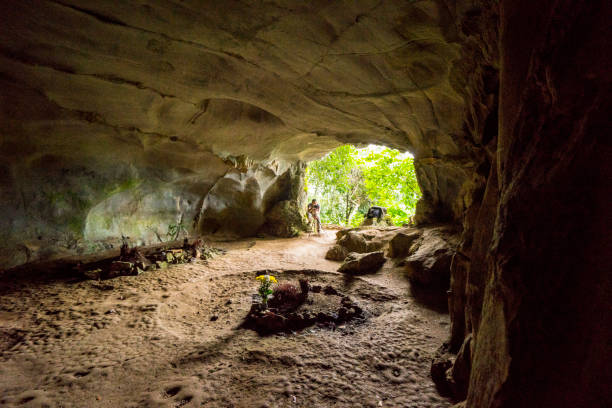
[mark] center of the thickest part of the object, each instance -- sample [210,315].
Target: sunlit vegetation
[347,181]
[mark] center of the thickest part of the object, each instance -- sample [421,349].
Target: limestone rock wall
[125,118]
[237,204]
[63,204]
[478,73]
[543,339]
[531,277]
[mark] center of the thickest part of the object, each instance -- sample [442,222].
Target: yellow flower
[269,278]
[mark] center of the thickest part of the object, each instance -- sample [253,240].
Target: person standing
[313,212]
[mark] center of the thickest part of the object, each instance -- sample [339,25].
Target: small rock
[214,318]
[353,241]
[441,363]
[94,274]
[363,263]
[461,370]
[148,308]
[336,253]
[329,290]
[122,266]
[401,244]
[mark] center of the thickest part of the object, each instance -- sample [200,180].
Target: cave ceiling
[169,83]
[122,118]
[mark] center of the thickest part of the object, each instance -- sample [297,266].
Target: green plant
[174,231]
[265,288]
[69,240]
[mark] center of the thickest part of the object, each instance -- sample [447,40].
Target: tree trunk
[349,209]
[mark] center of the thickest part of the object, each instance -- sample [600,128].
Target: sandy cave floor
[148,340]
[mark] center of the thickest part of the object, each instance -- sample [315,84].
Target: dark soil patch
[322,306]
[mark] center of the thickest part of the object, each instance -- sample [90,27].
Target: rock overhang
[107,108]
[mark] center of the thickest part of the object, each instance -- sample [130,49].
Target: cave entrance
[349,180]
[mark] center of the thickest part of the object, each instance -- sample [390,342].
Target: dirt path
[149,341]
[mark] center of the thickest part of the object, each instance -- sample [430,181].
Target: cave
[137,121]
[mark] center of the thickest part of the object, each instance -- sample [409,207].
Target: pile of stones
[270,320]
[132,262]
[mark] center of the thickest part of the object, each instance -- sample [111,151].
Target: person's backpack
[376,212]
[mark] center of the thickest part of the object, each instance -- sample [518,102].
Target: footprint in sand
[182,393]
[29,399]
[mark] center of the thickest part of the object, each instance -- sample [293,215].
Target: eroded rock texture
[133,118]
[541,339]
[533,267]
[125,119]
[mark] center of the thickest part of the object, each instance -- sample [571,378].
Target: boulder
[363,263]
[284,220]
[336,253]
[365,239]
[401,244]
[353,241]
[429,265]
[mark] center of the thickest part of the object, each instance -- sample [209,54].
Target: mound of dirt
[325,307]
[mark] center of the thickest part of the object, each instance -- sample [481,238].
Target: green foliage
[348,181]
[357,219]
[175,230]
[337,182]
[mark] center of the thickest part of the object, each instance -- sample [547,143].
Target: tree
[348,180]
[390,182]
[337,183]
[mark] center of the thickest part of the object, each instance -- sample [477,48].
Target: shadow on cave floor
[432,299]
[170,338]
[38,276]
[432,302]
[65,270]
